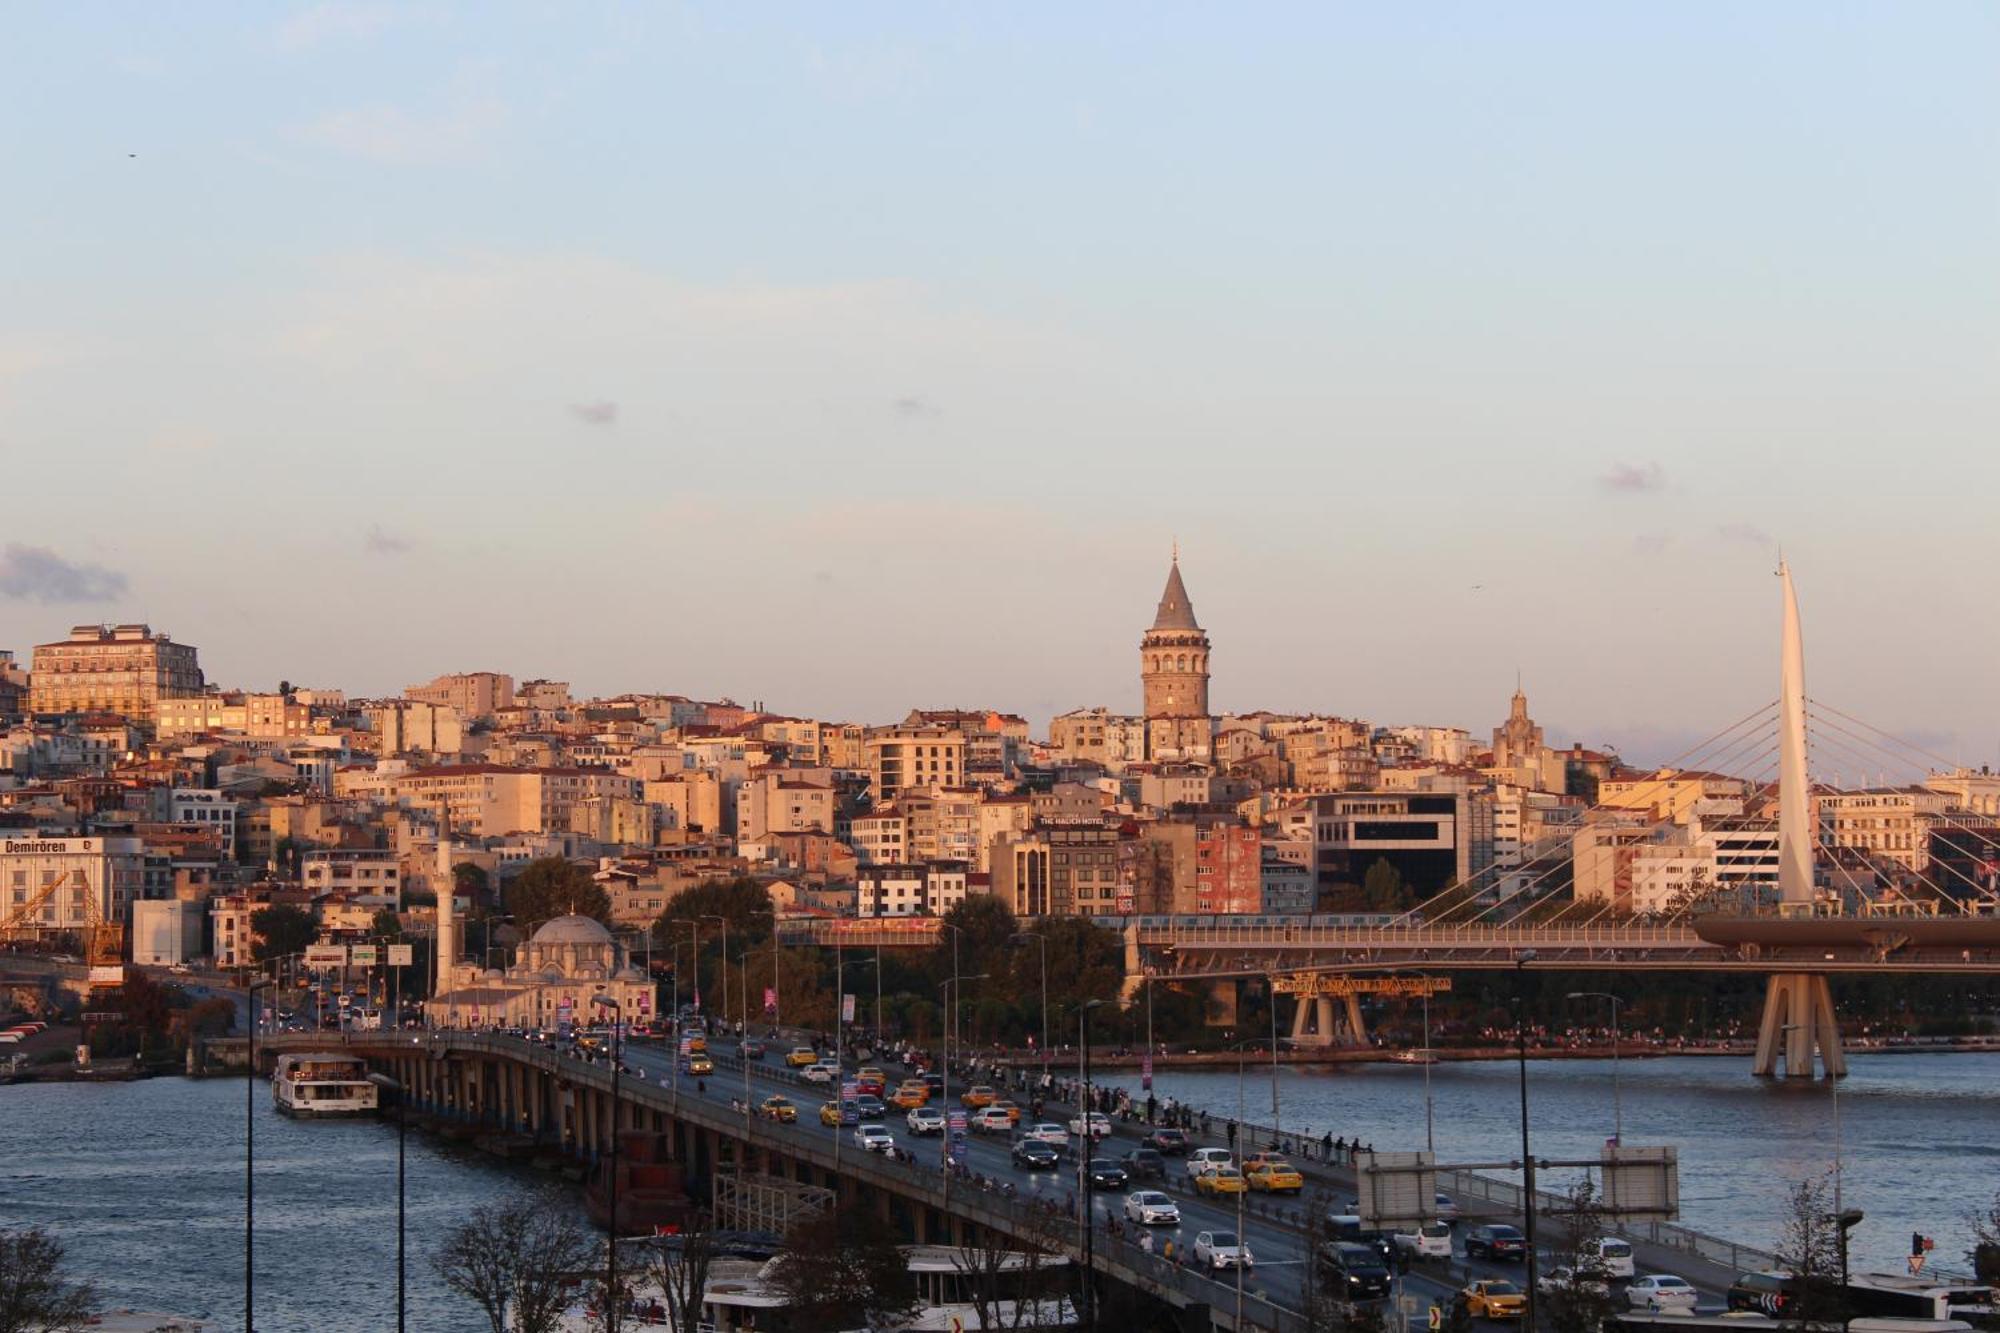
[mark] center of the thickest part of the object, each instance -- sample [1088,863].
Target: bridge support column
[1798,1018]
[1222,997]
[1349,1028]
[1135,972]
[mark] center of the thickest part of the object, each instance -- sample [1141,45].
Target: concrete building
[488,800]
[416,727]
[123,669]
[1673,794]
[1098,736]
[1890,822]
[1286,886]
[475,694]
[1975,791]
[882,837]
[1424,835]
[204,808]
[258,716]
[59,884]
[785,801]
[165,932]
[1059,870]
[344,872]
[902,758]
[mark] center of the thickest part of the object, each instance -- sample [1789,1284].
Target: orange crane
[103,939]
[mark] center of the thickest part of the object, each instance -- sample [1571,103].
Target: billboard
[402,955]
[362,955]
[326,955]
[1641,1182]
[1398,1189]
[847,1008]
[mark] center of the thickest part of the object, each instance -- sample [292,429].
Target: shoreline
[1475,1054]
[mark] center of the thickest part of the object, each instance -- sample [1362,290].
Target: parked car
[1354,1270]
[1432,1240]
[1034,1155]
[991,1120]
[1168,1142]
[874,1138]
[1771,1293]
[1221,1180]
[1496,1240]
[1145,1164]
[1150,1208]
[1204,1160]
[1494,1298]
[925,1120]
[1222,1249]
[1660,1291]
[1105,1174]
[1098,1124]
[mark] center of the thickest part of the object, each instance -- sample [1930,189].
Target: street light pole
[725,966]
[1085,1220]
[1043,941]
[384,1083]
[944,1090]
[1521,961]
[249,1164]
[1617,1096]
[613,1298]
[1430,1135]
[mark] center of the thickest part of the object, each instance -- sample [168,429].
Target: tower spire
[1795,876]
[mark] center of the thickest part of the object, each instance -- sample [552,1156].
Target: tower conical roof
[1176,612]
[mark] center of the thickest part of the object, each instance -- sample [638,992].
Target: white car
[1222,1249]
[874,1138]
[1611,1254]
[992,1120]
[1432,1240]
[1053,1135]
[1150,1208]
[1566,1278]
[925,1120]
[1204,1160]
[817,1073]
[1660,1291]
[1099,1125]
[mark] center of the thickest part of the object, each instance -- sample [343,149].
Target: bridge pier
[1345,1027]
[1798,1017]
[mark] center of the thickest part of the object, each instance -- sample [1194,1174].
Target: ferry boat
[320,1085]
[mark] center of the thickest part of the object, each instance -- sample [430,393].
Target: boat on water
[322,1085]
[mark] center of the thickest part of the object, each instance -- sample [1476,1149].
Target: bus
[1906,1296]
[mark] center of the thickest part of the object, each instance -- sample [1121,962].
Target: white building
[60,883]
[205,808]
[165,932]
[345,872]
[563,967]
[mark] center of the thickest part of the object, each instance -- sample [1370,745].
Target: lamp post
[384,1083]
[1840,1213]
[743,972]
[1617,1096]
[1043,941]
[724,992]
[613,1298]
[951,1015]
[486,954]
[944,1091]
[1084,1219]
[775,1014]
[249,1164]
[839,1039]
[1521,961]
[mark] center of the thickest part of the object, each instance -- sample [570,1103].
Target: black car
[935,1082]
[1145,1164]
[1764,1293]
[1356,1268]
[871,1107]
[1106,1175]
[753,1049]
[1172,1142]
[1034,1155]
[1496,1241]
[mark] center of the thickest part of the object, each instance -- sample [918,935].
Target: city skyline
[1447,344]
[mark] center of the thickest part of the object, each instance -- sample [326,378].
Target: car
[698,1065]
[1222,1180]
[779,1108]
[1145,1164]
[1105,1174]
[874,1138]
[1168,1142]
[911,1095]
[1054,1135]
[1771,1292]
[871,1081]
[1494,1298]
[820,1073]
[990,1120]
[925,1120]
[1496,1240]
[871,1108]
[1447,1209]
[801,1056]
[838,1113]
[1097,1123]
[1222,1249]
[1432,1240]
[1274,1175]
[1565,1278]
[1034,1155]
[1612,1255]
[1150,1208]
[977,1096]
[1204,1160]
[1013,1111]
[935,1082]
[1355,1271]
[751,1050]
[1660,1291]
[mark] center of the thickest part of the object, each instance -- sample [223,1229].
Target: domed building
[565,964]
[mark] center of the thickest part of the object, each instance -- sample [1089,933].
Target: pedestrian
[1340,1148]
[1326,1147]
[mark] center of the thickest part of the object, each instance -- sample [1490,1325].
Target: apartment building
[123,669]
[475,694]
[906,758]
[258,716]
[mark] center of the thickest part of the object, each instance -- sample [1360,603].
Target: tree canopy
[34,1295]
[282,929]
[552,887]
[844,1269]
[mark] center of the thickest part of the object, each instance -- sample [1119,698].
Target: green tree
[1984,1256]
[471,881]
[1810,1245]
[282,929]
[35,1297]
[1383,890]
[844,1269]
[1580,1305]
[552,887]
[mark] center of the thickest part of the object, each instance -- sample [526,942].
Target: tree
[843,1269]
[552,887]
[1581,1306]
[1810,1244]
[471,881]
[1383,889]
[517,1262]
[679,1268]
[282,929]
[1009,1278]
[1984,1256]
[34,1295]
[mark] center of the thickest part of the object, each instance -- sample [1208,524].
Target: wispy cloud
[1748,534]
[35,573]
[317,25]
[458,128]
[595,414]
[1634,478]
[381,541]
[914,406]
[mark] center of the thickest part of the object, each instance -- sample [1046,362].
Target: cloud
[457,129]
[1634,478]
[595,414]
[35,573]
[381,541]
[912,407]
[331,22]
[1746,533]
[1651,543]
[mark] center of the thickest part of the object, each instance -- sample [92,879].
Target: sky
[860,357]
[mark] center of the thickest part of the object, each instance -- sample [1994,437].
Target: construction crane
[103,939]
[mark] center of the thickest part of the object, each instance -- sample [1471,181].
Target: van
[1608,1255]
[1204,1160]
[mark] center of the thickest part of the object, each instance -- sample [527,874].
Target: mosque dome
[571,930]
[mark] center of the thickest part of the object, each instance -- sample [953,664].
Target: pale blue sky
[854,357]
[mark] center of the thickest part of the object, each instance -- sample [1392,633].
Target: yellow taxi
[779,1108]
[698,1065]
[977,1096]
[1274,1175]
[697,1044]
[1222,1180]
[829,1113]
[1494,1298]
[914,1093]
[801,1056]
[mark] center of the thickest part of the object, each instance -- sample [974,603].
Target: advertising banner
[326,955]
[1146,1073]
[847,1008]
[402,955]
[770,1000]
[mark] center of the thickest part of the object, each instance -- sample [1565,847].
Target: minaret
[447,919]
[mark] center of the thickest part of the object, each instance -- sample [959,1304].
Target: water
[1920,1134]
[144,1183]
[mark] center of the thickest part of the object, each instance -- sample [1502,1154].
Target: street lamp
[724,992]
[776,1016]
[384,1083]
[249,1163]
[1043,941]
[951,1016]
[613,1302]
[1242,1236]
[1084,1218]
[839,1041]
[1617,1097]
[944,1091]
[1839,1212]
[1521,961]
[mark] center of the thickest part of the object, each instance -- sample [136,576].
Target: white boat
[320,1085]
